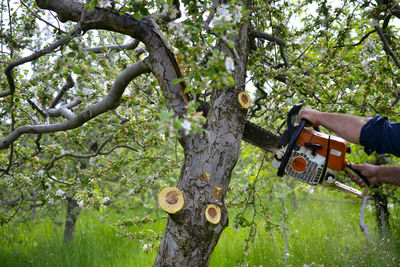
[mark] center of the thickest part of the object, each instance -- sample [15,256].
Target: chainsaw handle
[290,147]
[350,170]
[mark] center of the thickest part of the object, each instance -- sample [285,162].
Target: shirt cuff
[369,132]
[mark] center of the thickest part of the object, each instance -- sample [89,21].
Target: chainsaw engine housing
[315,158]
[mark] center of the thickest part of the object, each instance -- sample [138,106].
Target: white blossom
[225,15]
[104,2]
[186,126]
[86,91]
[51,200]
[177,29]
[131,192]
[369,44]
[80,203]
[146,247]
[60,193]
[374,23]
[171,130]
[106,200]
[229,64]
[40,173]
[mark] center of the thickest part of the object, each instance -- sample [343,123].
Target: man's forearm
[389,174]
[346,126]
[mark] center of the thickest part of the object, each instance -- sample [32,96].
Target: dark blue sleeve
[381,135]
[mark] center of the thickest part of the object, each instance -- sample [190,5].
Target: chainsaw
[312,156]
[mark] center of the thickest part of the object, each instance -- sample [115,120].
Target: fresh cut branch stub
[171,199]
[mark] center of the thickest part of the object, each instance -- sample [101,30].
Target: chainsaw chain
[258,136]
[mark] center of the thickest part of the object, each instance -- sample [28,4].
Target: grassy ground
[319,232]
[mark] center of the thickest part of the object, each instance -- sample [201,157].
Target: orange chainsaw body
[337,146]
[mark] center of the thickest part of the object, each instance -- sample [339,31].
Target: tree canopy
[95,96]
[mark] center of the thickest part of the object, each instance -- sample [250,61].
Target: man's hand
[311,115]
[369,171]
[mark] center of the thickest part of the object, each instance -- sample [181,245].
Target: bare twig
[36,107]
[69,84]
[85,156]
[39,18]
[122,119]
[58,181]
[359,42]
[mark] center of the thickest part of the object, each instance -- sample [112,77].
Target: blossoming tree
[202,61]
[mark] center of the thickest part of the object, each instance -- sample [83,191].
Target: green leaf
[175,81]
[77,70]
[92,4]
[137,16]
[165,115]
[231,44]
[188,88]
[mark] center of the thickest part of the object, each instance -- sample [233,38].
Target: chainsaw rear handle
[355,172]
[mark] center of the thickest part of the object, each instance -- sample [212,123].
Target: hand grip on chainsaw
[351,171]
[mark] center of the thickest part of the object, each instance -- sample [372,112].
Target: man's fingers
[357,180]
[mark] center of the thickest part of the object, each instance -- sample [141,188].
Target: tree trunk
[189,239]
[73,212]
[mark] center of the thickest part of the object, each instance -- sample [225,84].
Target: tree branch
[111,101]
[268,37]
[120,117]
[273,39]
[86,156]
[36,107]
[64,111]
[360,42]
[69,84]
[163,63]
[101,49]
[386,46]
[24,60]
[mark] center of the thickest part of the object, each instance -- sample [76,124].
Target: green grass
[319,233]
